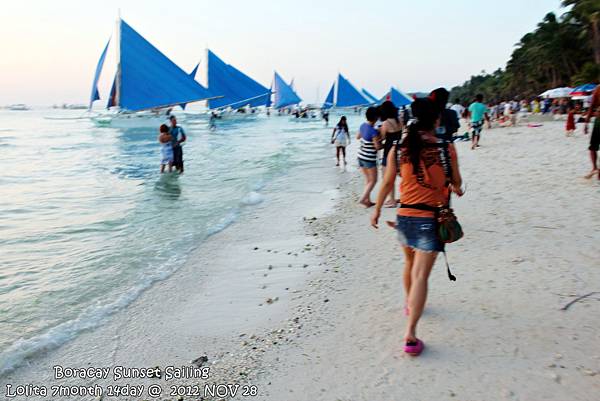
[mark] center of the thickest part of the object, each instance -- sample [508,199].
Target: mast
[336,89]
[118,74]
[205,75]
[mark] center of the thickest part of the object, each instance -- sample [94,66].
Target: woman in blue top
[367,154]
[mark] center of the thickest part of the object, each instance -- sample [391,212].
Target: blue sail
[193,75]
[329,99]
[348,95]
[236,88]
[112,98]
[368,96]
[284,94]
[398,98]
[95,94]
[148,79]
[194,71]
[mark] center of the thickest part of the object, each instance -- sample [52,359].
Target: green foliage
[560,52]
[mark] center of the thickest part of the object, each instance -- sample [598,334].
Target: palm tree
[588,13]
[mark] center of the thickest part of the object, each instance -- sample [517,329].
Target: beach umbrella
[583,90]
[557,93]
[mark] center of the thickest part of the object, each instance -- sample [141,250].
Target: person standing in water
[177,138]
[166,149]
[390,132]
[595,138]
[427,179]
[367,154]
[478,113]
[341,138]
[325,116]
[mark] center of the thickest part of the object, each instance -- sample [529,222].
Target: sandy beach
[308,305]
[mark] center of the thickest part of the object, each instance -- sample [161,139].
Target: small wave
[92,317]
[223,223]
[252,198]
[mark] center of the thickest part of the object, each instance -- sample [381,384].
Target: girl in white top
[341,138]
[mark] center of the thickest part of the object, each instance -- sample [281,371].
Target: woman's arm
[386,186]
[377,142]
[358,135]
[456,177]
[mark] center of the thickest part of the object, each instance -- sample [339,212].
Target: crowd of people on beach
[417,147]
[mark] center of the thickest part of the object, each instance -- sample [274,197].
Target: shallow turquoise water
[87,223]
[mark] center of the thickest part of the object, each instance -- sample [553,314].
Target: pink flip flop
[414,348]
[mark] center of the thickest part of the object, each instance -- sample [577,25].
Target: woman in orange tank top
[429,170]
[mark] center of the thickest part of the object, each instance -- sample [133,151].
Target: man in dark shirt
[177,138]
[449,124]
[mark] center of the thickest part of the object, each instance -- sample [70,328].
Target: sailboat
[369,96]
[147,84]
[238,93]
[284,94]
[397,97]
[344,95]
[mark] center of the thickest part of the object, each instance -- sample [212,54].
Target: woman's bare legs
[409,259]
[337,154]
[370,181]
[391,201]
[417,296]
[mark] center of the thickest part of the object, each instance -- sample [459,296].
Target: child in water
[166,149]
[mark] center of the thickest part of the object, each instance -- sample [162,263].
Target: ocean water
[87,223]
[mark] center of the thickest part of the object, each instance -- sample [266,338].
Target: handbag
[449,229]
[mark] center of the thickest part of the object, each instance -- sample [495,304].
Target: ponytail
[413,145]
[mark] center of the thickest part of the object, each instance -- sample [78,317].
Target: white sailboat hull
[129,121]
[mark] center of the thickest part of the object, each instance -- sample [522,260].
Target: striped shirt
[367,151]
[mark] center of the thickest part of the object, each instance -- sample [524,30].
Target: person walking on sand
[177,138]
[478,113]
[428,176]
[570,127]
[390,133]
[449,120]
[166,149]
[595,138]
[367,154]
[341,138]
[458,108]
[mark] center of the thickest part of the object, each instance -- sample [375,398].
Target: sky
[50,48]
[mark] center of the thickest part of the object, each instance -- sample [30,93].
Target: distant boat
[397,97]
[284,94]
[236,89]
[343,94]
[18,107]
[67,106]
[146,85]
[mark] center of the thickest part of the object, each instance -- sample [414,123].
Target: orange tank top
[429,186]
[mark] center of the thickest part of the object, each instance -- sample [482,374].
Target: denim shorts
[419,233]
[366,164]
